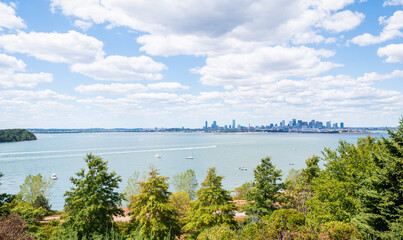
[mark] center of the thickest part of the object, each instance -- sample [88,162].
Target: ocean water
[129,152]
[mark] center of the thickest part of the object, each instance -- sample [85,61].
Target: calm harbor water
[129,152]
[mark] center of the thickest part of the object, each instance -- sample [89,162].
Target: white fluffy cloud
[393,52]
[114,88]
[392,28]
[167,86]
[83,25]
[196,23]
[29,80]
[128,88]
[9,65]
[393,2]
[342,21]
[120,68]
[33,96]
[8,19]
[264,65]
[71,47]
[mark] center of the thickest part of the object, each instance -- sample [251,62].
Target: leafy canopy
[381,193]
[212,206]
[186,182]
[93,201]
[265,191]
[151,210]
[35,187]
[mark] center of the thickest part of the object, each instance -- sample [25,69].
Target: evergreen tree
[212,207]
[151,210]
[93,201]
[265,191]
[381,194]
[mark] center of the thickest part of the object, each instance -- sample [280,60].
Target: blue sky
[173,63]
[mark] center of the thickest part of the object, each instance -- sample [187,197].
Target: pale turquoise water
[128,152]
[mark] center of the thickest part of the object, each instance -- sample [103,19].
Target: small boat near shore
[243,168]
[157,155]
[189,157]
[53,176]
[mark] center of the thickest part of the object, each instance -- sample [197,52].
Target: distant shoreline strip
[111,153]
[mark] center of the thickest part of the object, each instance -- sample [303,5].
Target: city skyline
[128,64]
[293,124]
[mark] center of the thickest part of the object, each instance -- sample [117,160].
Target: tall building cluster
[293,125]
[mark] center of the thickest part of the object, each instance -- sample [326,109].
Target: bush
[339,231]
[13,227]
[219,232]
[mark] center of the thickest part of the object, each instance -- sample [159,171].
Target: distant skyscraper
[329,124]
[233,123]
[335,125]
[214,125]
[312,124]
[282,124]
[342,125]
[294,122]
[206,126]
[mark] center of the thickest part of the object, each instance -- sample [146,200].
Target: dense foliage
[151,210]
[36,189]
[92,202]
[264,194]
[356,194]
[186,182]
[16,135]
[212,206]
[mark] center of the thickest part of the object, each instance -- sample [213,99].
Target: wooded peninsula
[16,135]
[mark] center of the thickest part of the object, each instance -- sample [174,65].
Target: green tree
[212,206]
[265,191]
[240,192]
[151,210]
[335,189]
[312,169]
[133,186]
[93,201]
[297,191]
[181,203]
[35,187]
[381,194]
[186,182]
[5,200]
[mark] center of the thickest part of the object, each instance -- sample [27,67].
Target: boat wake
[104,153]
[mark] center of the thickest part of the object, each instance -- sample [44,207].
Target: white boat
[157,155]
[243,168]
[53,176]
[189,157]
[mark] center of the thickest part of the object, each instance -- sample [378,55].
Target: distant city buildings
[293,125]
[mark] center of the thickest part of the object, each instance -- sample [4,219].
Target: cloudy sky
[173,63]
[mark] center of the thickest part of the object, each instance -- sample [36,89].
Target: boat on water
[157,155]
[189,157]
[53,176]
[243,168]
[291,163]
